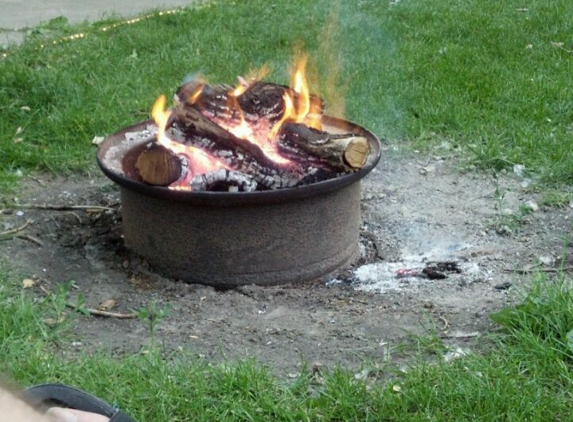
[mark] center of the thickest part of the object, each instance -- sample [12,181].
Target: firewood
[224,180]
[193,123]
[347,152]
[158,165]
[190,127]
[261,100]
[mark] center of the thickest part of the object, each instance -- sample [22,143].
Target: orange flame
[161,116]
[300,86]
[299,107]
[199,161]
[286,115]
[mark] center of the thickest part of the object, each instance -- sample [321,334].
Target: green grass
[522,373]
[481,75]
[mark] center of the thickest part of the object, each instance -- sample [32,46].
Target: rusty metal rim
[241,198]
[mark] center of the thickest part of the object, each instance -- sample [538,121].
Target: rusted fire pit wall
[228,239]
[263,244]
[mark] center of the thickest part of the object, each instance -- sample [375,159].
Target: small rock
[547,260]
[457,353]
[503,286]
[428,169]
[518,169]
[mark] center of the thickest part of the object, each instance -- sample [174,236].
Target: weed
[152,315]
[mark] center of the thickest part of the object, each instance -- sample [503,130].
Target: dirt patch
[416,211]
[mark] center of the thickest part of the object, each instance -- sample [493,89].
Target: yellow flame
[195,96]
[300,86]
[161,117]
[286,116]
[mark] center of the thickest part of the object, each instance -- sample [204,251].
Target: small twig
[30,239]
[461,335]
[107,314]
[536,270]
[77,217]
[42,288]
[17,229]
[559,45]
[53,207]
[38,181]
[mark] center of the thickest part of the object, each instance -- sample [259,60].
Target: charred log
[192,128]
[224,180]
[346,152]
[158,165]
[194,124]
[260,100]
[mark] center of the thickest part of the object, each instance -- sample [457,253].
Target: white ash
[113,156]
[383,277]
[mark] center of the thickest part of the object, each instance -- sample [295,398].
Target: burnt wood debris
[313,155]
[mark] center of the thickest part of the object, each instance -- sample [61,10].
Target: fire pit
[237,235]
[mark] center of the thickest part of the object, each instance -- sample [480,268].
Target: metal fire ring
[226,239]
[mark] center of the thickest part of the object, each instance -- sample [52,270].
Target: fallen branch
[537,270]
[16,230]
[30,239]
[63,207]
[97,312]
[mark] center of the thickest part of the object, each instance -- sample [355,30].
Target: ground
[416,210]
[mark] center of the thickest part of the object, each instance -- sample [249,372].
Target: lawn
[489,81]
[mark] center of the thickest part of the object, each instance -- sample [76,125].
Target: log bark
[159,166]
[346,152]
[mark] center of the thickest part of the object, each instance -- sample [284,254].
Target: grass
[523,373]
[491,78]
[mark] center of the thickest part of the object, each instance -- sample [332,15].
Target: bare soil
[416,210]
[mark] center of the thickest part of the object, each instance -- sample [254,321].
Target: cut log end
[158,166]
[357,152]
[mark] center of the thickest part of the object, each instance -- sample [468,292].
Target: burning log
[347,152]
[194,124]
[158,165]
[228,140]
[260,100]
[224,180]
[240,155]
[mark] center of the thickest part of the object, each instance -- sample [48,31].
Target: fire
[300,86]
[161,117]
[299,107]
[286,115]
[199,161]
